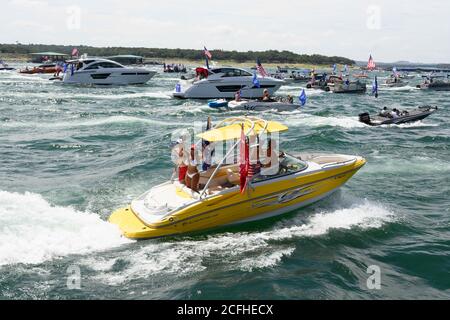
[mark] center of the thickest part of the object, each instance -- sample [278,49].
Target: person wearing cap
[192,175]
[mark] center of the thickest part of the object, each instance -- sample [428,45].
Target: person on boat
[266,95]
[208,151]
[180,160]
[192,174]
[290,99]
[384,112]
[394,113]
[271,167]
[237,96]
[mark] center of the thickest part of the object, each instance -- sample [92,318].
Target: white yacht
[224,83]
[98,71]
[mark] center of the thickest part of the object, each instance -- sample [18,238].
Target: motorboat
[435,82]
[97,71]
[294,76]
[4,66]
[41,69]
[227,193]
[349,87]
[223,83]
[402,117]
[261,105]
[361,75]
[318,82]
[395,82]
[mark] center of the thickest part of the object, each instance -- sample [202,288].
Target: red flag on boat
[243,161]
[261,69]
[75,52]
[207,53]
[371,64]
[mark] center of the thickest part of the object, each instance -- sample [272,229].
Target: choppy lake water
[71,155]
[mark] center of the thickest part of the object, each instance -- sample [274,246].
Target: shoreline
[25,58]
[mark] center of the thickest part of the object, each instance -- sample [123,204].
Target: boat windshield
[288,165]
[232,72]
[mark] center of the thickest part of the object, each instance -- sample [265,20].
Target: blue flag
[334,68]
[65,67]
[375,87]
[302,97]
[256,81]
[72,69]
[345,69]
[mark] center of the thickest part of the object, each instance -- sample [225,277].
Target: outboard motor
[365,118]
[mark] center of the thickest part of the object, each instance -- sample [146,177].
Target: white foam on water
[265,260]
[33,231]
[405,88]
[90,122]
[318,121]
[94,95]
[415,124]
[246,251]
[389,164]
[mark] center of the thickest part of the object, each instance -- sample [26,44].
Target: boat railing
[338,163]
[232,120]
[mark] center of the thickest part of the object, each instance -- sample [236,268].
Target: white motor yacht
[96,71]
[223,83]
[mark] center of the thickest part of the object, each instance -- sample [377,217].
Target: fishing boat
[349,87]
[395,82]
[435,82]
[232,192]
[96,71]
[318,82]
[223,83]
[403,117]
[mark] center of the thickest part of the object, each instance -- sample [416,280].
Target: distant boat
[95,71]
[349,87]
[43,68]
[437,83]
[5,67]
[395,82]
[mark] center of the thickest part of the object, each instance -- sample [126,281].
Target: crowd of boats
[208,189]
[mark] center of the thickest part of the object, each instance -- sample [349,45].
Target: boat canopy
[233,129]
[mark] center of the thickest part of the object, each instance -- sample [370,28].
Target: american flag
[207,53]
[371,64]
[261,69]
[75,52]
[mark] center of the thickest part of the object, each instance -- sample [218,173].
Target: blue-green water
[70,155]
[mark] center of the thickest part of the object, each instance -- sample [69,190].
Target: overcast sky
[393,30]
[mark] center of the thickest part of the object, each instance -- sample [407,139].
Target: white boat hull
[226,88]
[114,76]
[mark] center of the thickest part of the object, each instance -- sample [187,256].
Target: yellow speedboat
[299,180]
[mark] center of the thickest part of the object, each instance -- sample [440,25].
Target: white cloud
[409,30]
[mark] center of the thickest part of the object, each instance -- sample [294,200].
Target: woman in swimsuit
[192,175]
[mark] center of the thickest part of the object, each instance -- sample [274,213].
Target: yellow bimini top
[231,128]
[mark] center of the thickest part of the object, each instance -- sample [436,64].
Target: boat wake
[33,231]
[318,121]
[405,88]
[93,96]
[91,122]
[244,251]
